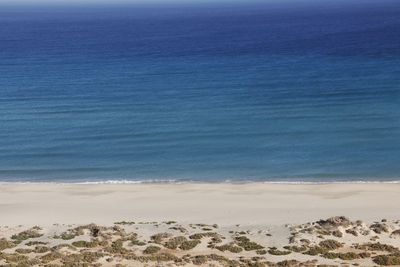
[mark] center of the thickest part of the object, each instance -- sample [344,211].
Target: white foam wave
[227,181]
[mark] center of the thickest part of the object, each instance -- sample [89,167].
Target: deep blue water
[281,92]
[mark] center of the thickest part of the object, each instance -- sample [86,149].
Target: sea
[303,91]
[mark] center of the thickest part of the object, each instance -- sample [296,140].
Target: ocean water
[289,92]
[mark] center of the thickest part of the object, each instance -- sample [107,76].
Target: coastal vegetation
[124,243]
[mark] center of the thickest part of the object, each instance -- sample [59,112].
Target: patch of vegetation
[159,238]
[117,247]
[230,247]
[342,256]
[223,260]
[94,230]
[296,248]
[334,222]
[51,256]
[214,241]
[190,244]
[248,245]
[65,236]
[217,239]
[13,257]
[378,247]
[200,260]
[60,246]
[151,250]
[175,242]
[277,252]
[159,257]
[81,258]
[178,228]
[27,234]
[129,237]
[374,238]
[204,235]
[379,228]
[80,230]
[124,223]
[18,260]
[323,232]
[147,223]
[364,255]
[305,241]
[118,230]
[41,249]
[23,250]
[337,233]
[254,262]
[4,244]
[85,244]
[330,244]
[261,252]
[395,233]
[34,243]
[136,242]
[315,250]
[387,260]
[288,263]
[330,255]
[352,232]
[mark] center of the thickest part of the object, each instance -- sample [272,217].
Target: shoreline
[198,182]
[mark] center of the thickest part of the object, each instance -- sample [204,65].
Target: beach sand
[253,203]
[266,216]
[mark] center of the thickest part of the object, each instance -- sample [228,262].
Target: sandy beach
[260,223]
[253,203]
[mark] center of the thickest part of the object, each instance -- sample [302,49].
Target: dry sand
[255,203]
[210,224]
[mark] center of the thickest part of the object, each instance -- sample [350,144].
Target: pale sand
[224,204]
[271,215]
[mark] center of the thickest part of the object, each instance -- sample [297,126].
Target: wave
[180,181]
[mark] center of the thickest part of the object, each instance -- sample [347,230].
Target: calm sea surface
[305,92]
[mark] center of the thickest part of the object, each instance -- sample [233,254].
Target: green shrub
[246,244]
[190,244]
[175,242]
[230,247]
[24,235]
[151,250]
[4,244]
[276,252]
[330,244]
[386,260]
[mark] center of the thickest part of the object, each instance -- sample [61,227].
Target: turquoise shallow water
[213,93]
